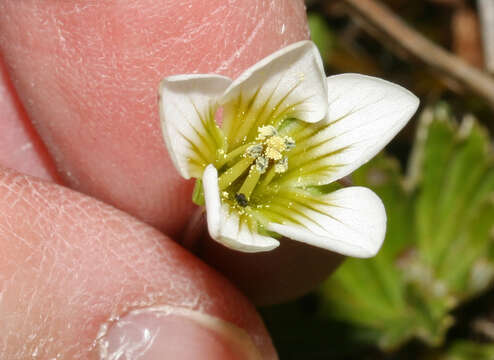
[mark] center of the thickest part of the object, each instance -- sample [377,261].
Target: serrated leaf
[438,249]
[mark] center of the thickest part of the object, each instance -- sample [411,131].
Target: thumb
[79,280]
[88,71]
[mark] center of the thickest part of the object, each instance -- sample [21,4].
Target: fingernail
[164,332]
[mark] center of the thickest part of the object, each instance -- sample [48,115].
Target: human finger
[79,278]
[87,73]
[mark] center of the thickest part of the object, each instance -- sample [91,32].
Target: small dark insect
[241,200]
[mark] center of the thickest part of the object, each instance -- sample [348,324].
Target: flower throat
[254,165]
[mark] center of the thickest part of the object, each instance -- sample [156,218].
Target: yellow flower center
[261,160]
[275,146]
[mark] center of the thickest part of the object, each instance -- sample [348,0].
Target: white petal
[350,221]
[288,83]
[187,104]
[225,226]
[212,200]
[365,113]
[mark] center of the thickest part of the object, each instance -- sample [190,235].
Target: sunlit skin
[87,79]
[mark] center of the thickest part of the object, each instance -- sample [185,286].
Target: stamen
[281,166]
[266,131]
[262,164]
[264,159]
[224,158]
[233,173]
[254,150]
[289,142]
[250,183]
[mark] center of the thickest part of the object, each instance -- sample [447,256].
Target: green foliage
[438,251]
[321,35]
[466,350]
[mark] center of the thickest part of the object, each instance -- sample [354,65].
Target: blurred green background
[429,293]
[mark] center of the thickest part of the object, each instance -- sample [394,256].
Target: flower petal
[288,83]
[350,221]
[365,113]
[187,105]
[225,225]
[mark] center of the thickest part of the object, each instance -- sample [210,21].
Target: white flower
[285,130]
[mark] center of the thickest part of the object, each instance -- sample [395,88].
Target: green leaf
[468,350]
[438,251]
[321,35]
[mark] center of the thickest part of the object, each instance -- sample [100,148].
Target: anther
[281,166]
[262,164]
[254,150]
[265,132]
[289,142]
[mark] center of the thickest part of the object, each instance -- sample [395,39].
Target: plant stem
[391,28]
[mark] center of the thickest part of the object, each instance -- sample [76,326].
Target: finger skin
[68,263]
[20,146]
[88,72]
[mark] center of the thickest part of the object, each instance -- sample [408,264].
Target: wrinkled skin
[78,108]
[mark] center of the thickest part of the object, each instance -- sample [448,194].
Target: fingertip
[69,263]
[164,332]
[97,111]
